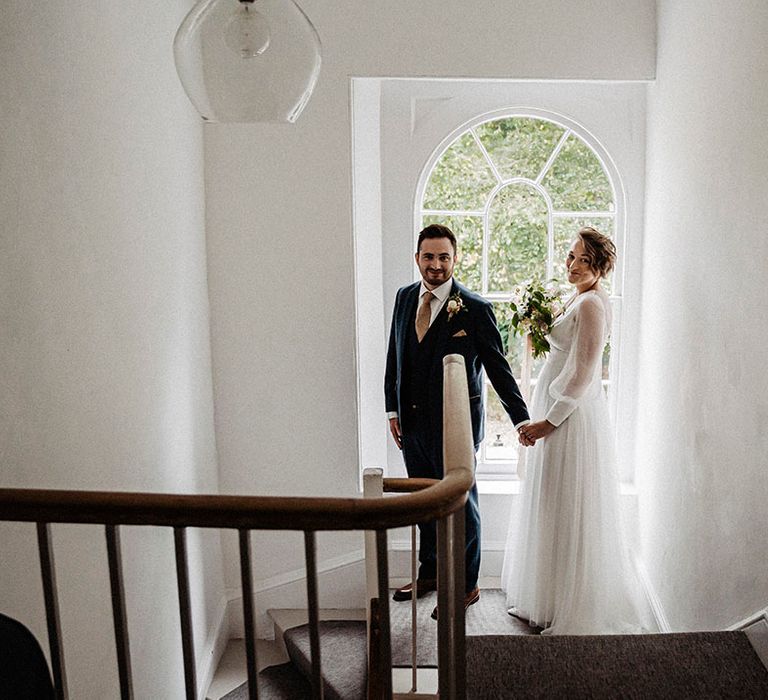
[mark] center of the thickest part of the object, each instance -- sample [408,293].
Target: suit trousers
[423,456]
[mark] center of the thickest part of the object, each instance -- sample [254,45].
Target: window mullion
[486,244]
[553,156]
[452,212]
[583,214]
[487,157]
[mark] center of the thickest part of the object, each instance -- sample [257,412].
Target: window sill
[511,487]
[498,487]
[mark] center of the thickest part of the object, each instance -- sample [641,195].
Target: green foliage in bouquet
[534,309]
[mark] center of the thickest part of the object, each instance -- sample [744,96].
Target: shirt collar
[440,292]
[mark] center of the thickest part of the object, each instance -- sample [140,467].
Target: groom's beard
[436,277]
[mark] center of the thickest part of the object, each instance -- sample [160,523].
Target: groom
[434,318]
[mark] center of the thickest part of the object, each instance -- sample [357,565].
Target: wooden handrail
[239,512]
[401,485]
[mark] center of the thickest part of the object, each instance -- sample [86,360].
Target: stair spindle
[48,572]
[314,622]
[246,577]
[458,639]
[382,565]
[414,602]
[187,642]
[119,616]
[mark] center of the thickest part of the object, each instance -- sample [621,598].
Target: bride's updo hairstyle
[600,248]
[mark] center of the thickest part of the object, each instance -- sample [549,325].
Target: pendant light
[247,60]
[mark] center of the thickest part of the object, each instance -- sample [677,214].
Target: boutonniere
[454,305]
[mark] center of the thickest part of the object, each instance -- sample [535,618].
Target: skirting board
[757,633]
[760,615]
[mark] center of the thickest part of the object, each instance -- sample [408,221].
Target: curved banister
[438,499]
[250,512]
[401,485]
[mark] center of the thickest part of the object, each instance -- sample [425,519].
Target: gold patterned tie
[423,315]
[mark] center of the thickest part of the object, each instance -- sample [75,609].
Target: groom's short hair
[436,231]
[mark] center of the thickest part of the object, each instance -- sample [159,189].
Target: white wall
[703,395]
[280,226]
[104,347]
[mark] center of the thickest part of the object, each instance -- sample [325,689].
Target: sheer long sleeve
[580,377]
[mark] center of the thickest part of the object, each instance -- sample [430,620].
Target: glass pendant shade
[247,60]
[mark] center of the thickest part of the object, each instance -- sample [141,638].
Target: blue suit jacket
[472,333]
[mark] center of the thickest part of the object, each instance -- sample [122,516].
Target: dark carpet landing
[690,665]
[695,665]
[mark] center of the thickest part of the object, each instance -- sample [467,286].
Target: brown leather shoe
[470,599]
[423,586]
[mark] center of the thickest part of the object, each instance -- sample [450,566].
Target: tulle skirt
[566,567]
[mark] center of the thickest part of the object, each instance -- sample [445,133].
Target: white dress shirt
[440,296]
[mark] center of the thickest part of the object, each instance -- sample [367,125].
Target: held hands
[528,434]
[394,428]
[524,440]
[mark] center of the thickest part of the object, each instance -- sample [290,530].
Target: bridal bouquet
[534,309]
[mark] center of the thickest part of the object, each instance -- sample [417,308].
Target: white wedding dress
[566,568]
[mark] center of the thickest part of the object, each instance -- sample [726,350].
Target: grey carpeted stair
[344,664]
[691,665]
[343,654]
[282,682]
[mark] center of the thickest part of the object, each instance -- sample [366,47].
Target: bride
[565,568]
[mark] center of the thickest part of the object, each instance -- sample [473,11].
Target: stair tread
[285,618]
[281,682]
[343,645]
[231,671]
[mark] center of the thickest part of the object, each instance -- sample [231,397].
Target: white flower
[454,305]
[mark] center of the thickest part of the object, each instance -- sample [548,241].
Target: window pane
[518,237]
[500,435]
[566,230]
[511,342]
[469,238]
[462,178]
[519,147]
[576,181]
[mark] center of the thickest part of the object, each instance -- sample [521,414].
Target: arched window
[515,189]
